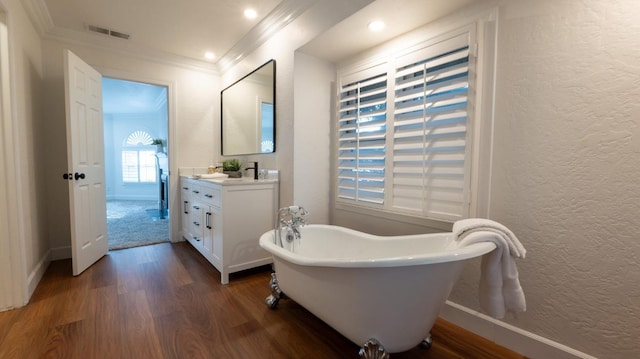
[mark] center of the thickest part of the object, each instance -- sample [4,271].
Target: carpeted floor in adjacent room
[135,223]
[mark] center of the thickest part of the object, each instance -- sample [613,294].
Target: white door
[85,154]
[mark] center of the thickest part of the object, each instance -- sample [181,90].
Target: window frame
[482,47]
[138,142]
[138,150]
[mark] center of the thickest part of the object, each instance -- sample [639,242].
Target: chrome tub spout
[291,219]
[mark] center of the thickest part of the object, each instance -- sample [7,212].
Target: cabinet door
[216,234]
[207,240]
[186,210]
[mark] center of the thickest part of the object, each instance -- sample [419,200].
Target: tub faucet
[255,170]
[291,218]
[297,222]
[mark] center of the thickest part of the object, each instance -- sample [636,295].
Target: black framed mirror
[248,111]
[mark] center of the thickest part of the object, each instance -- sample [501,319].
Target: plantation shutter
[362,105]
[430,128]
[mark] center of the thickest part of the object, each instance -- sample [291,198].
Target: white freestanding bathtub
[383,293]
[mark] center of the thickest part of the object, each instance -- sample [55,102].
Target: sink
[270,176]
[216,175]
[239,181]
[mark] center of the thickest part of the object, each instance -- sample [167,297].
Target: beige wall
[27,184]
[565,171]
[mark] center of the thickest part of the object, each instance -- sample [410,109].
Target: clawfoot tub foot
[276,294]
[427,342]
[373,350]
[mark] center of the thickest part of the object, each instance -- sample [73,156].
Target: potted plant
[232,168]
[159,144]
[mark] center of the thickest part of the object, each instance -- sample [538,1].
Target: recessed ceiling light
[209,55]
[250,14]
[376,26]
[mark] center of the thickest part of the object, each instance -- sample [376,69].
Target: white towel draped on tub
[500,289]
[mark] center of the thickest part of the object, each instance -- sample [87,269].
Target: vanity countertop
[243,181]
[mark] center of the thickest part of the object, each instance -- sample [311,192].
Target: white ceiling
[352,36]
[175,31]
[185,30]
[182,31]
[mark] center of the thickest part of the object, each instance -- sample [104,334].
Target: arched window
[138,158]
[139,138]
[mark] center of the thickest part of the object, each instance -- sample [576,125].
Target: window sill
[394,216]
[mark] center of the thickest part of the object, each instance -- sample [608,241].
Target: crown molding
[282,15]
[38,11]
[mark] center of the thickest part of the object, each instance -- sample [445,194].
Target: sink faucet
[255,170]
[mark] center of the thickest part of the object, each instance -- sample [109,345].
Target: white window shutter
[430,131]
[404,131]
[362,122]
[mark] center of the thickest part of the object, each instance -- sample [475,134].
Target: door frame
[174,178]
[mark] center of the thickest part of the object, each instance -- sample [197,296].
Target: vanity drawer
[210,195]
[204,193]
[185,189]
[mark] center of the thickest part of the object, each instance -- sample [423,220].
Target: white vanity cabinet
[224,219]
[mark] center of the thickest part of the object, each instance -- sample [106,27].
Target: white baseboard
[506,335]
[36,274]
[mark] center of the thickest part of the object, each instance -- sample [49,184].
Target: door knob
[78,176]
[67,176]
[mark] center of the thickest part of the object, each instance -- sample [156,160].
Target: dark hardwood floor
[166,301]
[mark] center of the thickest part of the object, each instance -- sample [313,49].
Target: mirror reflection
[248,113]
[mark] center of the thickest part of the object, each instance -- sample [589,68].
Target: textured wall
[566,173]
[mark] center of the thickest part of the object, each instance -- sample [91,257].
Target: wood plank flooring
[166,301]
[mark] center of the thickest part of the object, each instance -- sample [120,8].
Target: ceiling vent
[108,32]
